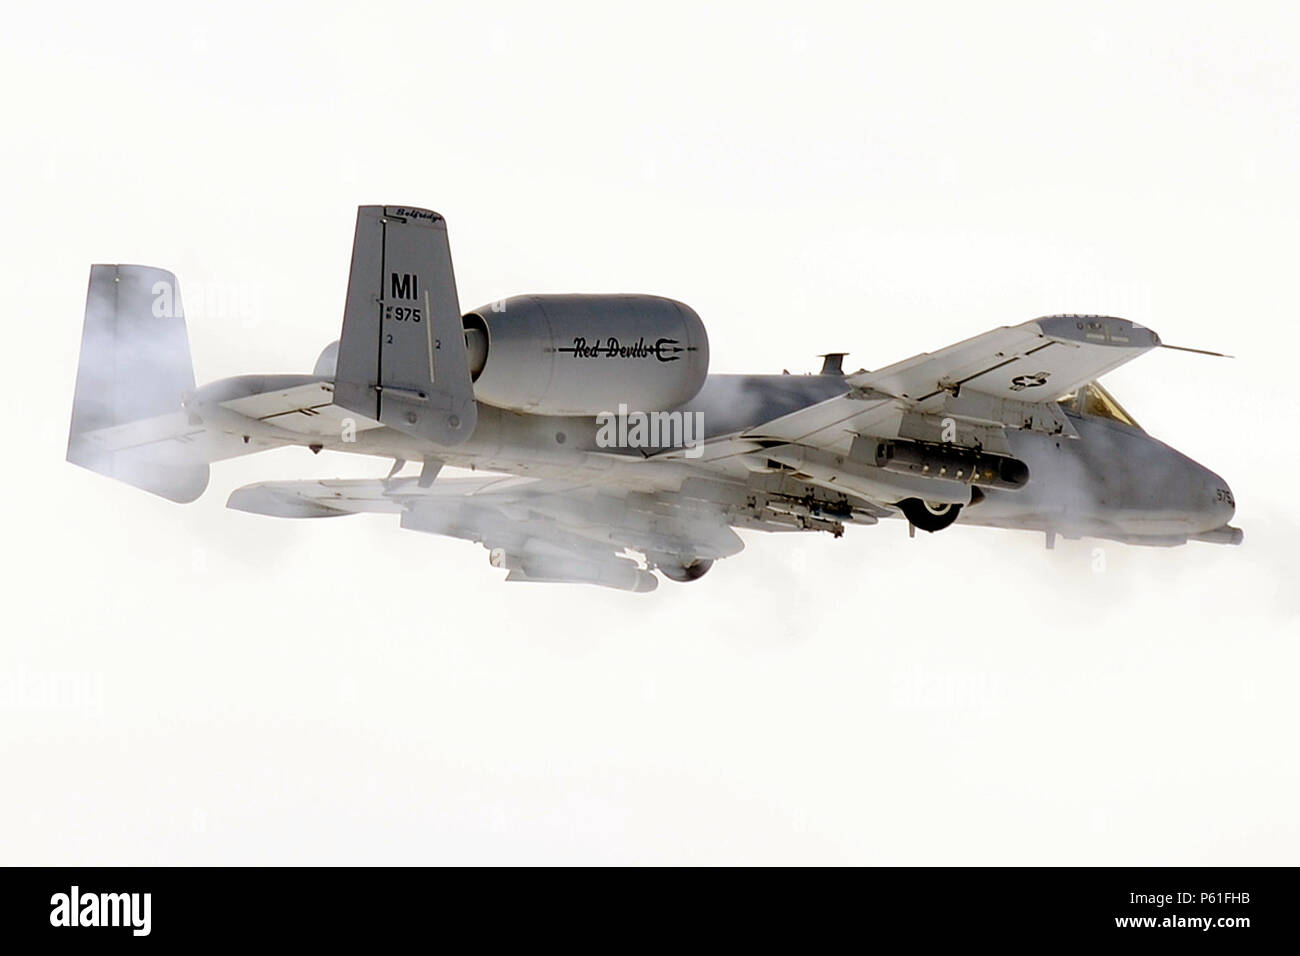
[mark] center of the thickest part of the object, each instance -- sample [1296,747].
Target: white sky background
[189,684]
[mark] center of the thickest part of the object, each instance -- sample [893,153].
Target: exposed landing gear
[675,571]
[929,516]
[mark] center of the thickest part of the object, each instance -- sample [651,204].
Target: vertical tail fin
[402,358]
[134,368]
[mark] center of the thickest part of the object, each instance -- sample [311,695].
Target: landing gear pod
[687,572]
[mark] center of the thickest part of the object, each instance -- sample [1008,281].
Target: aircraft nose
[1221,505]
[1205,498]
[1200,499]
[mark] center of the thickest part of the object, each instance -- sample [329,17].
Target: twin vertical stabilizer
[402,356]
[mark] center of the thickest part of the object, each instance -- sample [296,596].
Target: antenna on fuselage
[832,363]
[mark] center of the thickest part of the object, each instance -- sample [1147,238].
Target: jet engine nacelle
[586,354]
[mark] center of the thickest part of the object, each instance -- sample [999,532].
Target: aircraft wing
[1056,354]
[535,529]
[1006,378]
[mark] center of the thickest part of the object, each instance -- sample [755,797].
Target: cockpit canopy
[1094,401]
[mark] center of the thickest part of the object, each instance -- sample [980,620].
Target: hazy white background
[188,684]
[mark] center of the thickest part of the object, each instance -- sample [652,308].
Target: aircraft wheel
[928,516]
[687,572]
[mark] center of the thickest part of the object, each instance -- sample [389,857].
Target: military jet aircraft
[611,452]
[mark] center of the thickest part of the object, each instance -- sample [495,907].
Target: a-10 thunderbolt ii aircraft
[614,452]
